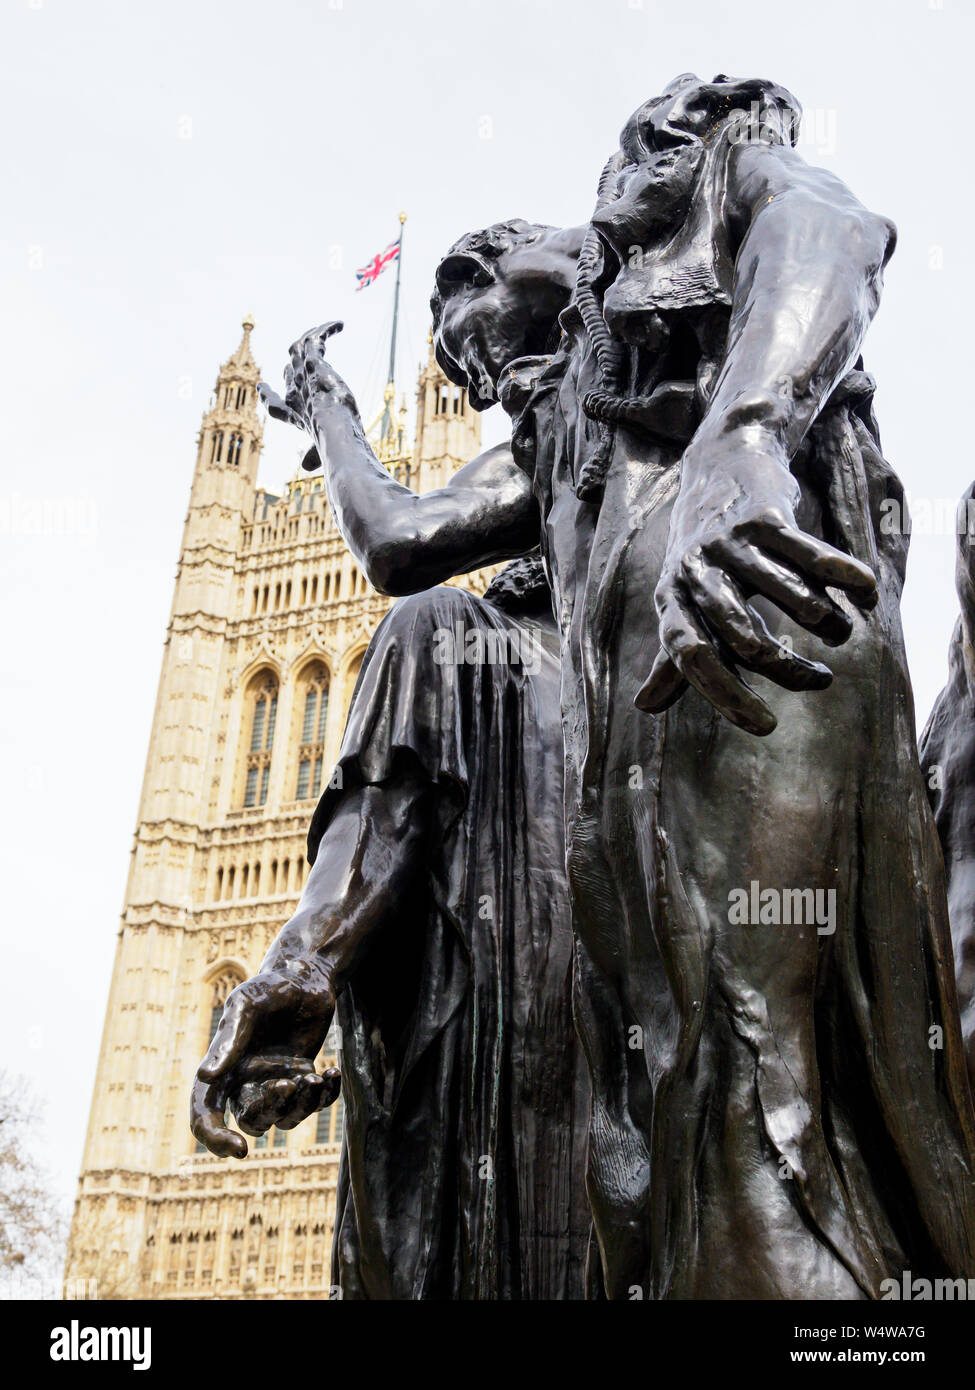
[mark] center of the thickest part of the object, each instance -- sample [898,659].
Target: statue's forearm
[807,282]
[806,287]
[405,541]
[368,504]
[366,864]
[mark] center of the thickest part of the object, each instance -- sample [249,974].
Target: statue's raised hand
[733,535]
[261,1060]
[311,384]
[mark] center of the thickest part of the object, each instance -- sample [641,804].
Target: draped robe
[462,1168]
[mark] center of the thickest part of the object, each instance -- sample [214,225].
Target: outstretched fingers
[823,563]
[663,687]
[313,341]
[807,604]
[727,613]
[695,652]
[276,406]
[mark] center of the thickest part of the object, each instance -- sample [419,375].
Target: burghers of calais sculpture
[763,983]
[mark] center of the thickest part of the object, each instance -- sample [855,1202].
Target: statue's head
[498,296]
[688,109]
[648,184]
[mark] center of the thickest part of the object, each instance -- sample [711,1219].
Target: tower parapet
[448,428]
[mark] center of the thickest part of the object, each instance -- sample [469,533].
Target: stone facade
[270,619]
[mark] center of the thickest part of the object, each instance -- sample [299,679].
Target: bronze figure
[763,984]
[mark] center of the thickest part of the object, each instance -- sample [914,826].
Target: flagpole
[390,388]
[399,262]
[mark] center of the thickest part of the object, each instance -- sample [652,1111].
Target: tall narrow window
[312,708]
[279,1139]
[262,702]
[331,1123]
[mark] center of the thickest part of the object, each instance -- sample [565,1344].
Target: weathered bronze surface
[763,983]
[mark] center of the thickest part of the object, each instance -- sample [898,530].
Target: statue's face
[662,147]
[496,310]
[688,109]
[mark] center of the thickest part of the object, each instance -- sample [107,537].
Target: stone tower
[269,622]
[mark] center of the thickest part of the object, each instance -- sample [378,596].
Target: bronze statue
[763,982]
[435,922]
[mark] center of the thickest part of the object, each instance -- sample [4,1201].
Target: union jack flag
[377,265]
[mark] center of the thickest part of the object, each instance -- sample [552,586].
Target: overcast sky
[171,165]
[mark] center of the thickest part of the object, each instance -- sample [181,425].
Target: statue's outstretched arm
[404,541]
[807,283]
[261,1060]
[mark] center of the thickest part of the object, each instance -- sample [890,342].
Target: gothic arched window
[233,450]
[261,706]
[312,710]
